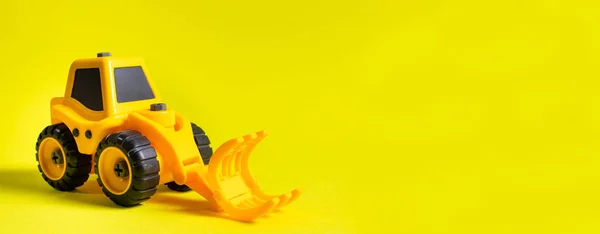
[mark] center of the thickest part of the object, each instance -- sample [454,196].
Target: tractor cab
[106,86]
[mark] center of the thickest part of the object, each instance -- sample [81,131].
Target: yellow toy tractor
[111,122]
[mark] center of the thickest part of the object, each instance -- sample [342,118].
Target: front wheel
[127,168]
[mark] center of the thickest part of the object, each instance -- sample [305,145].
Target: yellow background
[405,116]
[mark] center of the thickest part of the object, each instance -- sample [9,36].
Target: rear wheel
[206,152]
[127,168]
[59,160]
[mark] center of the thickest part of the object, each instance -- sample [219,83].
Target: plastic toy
[111,122]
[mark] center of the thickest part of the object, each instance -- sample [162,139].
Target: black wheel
[206,152]
[59,160]
[203,143]
[179,188]
[127,168]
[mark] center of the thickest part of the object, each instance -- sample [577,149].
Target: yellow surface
[405,116]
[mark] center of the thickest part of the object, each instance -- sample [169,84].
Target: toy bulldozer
[111,122]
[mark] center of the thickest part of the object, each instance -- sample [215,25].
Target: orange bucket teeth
[233,186]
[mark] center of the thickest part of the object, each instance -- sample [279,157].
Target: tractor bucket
[230,186]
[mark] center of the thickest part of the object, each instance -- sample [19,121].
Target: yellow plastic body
[227,182]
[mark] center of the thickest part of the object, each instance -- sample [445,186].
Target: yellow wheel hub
[114,170]
[52,158]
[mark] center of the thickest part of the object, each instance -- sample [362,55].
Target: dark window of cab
[132,84]
[87,88]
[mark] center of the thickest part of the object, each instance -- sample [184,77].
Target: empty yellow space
[395,116]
